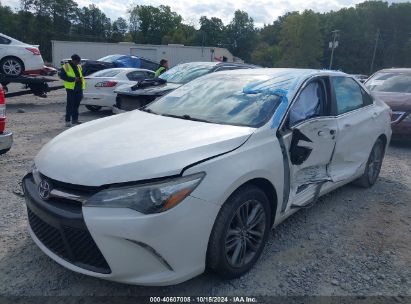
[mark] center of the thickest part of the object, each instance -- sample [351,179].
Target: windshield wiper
[186,117]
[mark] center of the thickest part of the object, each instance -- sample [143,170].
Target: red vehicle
[393,86]
[6,138]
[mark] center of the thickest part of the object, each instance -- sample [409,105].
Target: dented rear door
[357,130]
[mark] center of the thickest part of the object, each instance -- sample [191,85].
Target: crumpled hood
[158,90]
[396,101]
[134,146]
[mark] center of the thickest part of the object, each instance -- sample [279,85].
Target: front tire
[11,66]
[239,233]
[373,166]
[93,108]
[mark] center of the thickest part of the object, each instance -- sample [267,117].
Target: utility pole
[333,45]
[377,37]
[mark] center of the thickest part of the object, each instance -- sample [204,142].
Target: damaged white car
[198,178]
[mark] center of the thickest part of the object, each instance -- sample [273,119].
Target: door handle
[374,115]
[323,133]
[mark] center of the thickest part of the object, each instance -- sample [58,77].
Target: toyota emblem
[44,189]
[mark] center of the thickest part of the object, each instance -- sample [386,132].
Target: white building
[174,53]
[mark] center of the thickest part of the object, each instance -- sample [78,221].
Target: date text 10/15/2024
[235,299]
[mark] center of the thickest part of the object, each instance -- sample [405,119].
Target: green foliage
[241,35]
[92,24]
[265,55]
[183,34]
[150,24]
[119,30]
[211,31]
[300,41]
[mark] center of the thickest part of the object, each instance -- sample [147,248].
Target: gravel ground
[353,242]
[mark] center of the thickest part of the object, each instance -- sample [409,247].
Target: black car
[116,61]
[131,97]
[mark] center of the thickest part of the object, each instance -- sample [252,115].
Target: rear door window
[349,95]
[136,76]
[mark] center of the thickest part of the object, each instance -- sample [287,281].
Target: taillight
[106,84]
[2,111]
[34,51]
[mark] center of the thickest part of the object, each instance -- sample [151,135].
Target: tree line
[370,29]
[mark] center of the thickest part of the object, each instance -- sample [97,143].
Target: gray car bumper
[6,140]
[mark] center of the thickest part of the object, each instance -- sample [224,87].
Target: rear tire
[373,166]
[93,108]
[239,233]
[11,66]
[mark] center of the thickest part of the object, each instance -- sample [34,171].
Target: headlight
[147,198]
[36,174]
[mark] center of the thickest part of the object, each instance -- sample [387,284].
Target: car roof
[287,79]
[239,64]
[396,70]
[288,71]
[131,56]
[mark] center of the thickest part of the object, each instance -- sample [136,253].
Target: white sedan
[198,178]
[17,57]
[100,86]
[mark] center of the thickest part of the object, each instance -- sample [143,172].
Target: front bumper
[6,141]
[158,249]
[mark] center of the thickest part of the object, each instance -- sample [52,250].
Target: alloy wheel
[245,233]
[12,67]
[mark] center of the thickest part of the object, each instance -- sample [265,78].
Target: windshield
[184,73]
[110,58]
[390,82]
[219,99]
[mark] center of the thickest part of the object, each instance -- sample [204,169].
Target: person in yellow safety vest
[74,83]
[162,68]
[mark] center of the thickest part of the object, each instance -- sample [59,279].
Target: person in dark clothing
[162,68]
[74,83]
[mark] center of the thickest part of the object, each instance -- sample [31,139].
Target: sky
[262,11]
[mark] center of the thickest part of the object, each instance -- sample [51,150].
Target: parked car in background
[17,57]
[117,61]
[132,97]
[198,178]
[6,138]
[100,86]
[394,87]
